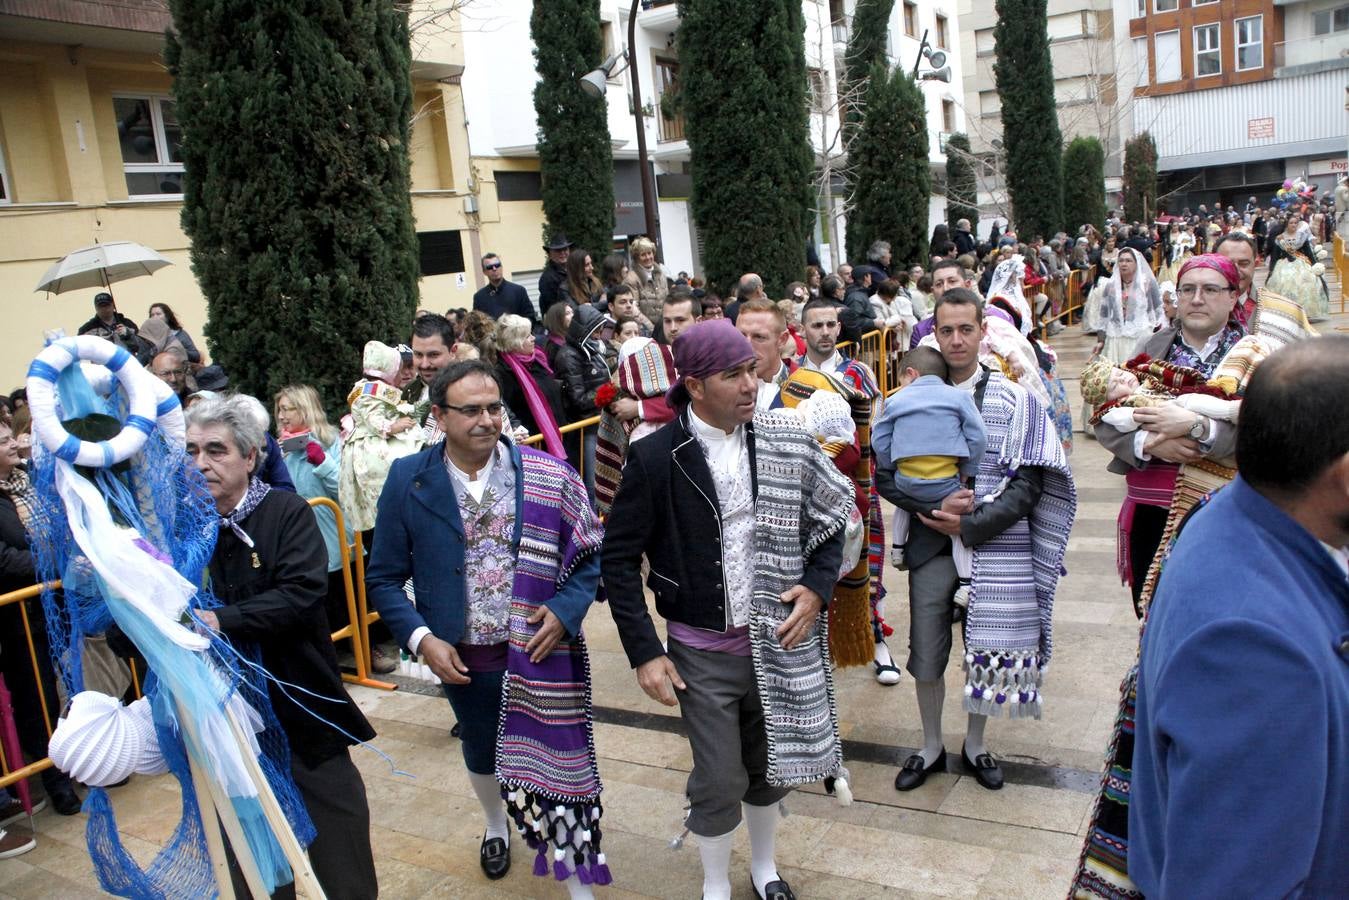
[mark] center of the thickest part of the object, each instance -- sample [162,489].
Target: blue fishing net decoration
[161,495]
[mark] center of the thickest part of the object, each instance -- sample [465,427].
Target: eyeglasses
[474,412]
[487,267]
[1210,291]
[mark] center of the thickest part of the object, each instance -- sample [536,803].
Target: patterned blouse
[489,523]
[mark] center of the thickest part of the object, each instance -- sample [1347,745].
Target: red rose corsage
[606,394]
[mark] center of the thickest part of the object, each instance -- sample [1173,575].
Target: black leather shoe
[985,768]
[64,800]
[913,774]
[774,890]
[495,858]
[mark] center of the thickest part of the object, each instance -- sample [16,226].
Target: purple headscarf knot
[706,349]
[1215,261]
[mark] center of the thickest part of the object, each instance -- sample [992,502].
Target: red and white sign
[1257,129]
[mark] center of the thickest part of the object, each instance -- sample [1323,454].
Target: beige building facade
[87,154]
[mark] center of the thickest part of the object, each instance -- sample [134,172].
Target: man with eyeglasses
[1169,435]
[171,368]
[491,608]
[499,296]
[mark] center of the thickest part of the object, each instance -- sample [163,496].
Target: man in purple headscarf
[762,511]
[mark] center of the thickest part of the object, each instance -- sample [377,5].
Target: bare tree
[829,102]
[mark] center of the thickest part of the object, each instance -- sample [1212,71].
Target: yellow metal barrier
[535,439]
[21,598]
[359,617]
[1078,290]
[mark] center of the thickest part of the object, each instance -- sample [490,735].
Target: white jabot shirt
[830,365]
[724,451]
[728,460]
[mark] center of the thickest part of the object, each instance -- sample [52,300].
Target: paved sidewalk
[950,838]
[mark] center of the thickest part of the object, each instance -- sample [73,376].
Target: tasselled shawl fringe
[1016,573]
[552,794]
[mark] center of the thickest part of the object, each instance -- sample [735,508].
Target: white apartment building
[1087,66]
[498,82]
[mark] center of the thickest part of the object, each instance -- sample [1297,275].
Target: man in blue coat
[490,606]
[1241,759]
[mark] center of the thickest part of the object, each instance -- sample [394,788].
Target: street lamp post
[595,83]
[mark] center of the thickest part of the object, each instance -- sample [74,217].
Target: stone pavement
[950,838]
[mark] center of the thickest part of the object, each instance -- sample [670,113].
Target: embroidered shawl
[1009,625]
[645,374]
[803,501]
[545,757]
[851,639]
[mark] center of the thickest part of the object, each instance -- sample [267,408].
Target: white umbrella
[100,265]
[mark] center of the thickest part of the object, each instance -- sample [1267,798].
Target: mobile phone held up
[296,443]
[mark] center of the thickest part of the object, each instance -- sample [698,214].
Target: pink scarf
[538,404]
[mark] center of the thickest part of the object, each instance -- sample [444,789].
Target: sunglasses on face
[490,266]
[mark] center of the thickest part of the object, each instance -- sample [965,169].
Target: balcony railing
[671,129]
[1312,50]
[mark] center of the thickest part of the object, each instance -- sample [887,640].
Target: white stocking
[883,657]
[578,891]
[716,854]
[931,696]
[488,790]
[974,736]
[763,827]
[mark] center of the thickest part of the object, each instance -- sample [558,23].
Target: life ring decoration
[146,404]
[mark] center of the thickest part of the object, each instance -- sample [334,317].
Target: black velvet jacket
[666,508]
[273,594]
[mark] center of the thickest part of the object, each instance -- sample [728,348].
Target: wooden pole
[223,811]
[215,843]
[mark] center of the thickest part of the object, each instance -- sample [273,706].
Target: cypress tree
[295,123]
[743,68]
[1024,75]
[1083,184]
[1140,178]
[575,160]
[962,188]
[889,160]
[866,47]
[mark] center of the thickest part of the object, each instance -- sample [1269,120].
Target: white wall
[499,76]
[1210,127]
[676,236]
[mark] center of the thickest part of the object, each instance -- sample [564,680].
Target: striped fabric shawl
[851,638]
[803,501]
[545,757]
[644,375]
[1009,625]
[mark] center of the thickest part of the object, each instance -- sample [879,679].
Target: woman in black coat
[582,368]
[517,353]
[17,572]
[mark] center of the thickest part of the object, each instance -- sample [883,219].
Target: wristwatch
[1199,428]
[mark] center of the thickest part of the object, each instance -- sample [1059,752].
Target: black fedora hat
[558,241]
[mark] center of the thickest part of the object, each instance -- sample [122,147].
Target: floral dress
[371,448]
